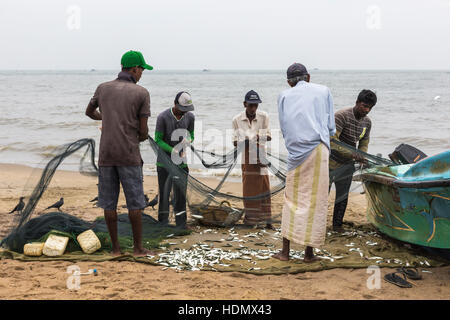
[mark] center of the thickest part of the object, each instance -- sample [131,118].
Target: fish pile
[202,256]
[379,259]
[205,256]
[199,257]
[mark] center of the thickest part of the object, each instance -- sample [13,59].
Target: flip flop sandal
[397,280]
[411,272]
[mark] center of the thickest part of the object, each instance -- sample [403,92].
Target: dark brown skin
[134,215]
[283,255]
[136,72]
[361,109]
[93,113]
[177,112]
[136,225]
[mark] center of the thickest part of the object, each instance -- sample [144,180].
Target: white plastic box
[89,241]
[55,245]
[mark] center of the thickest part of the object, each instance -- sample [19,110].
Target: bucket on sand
[217,216]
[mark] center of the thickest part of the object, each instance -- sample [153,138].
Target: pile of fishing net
[66,225]
[204,201]
[27,229]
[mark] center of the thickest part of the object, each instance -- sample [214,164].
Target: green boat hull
[418,216]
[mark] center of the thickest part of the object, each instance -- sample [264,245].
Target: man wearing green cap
[124,111]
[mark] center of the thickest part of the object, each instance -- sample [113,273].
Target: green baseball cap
[134,59]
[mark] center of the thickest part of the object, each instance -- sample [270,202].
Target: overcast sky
[231,34]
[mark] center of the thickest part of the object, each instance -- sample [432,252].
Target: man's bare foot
[143,252]
[311,259]
[281,256]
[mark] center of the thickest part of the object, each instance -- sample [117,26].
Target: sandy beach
[128,280]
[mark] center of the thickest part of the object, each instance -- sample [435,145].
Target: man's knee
[111,215]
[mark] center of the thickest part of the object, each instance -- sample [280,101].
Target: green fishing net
[202,198]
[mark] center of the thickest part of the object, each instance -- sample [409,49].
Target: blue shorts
[109,180]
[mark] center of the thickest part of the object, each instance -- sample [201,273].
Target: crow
[93,200]
[57,205]
[152,203]
[19,207]
[147,203]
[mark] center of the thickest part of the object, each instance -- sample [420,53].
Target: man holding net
[353,128]
[307,122]
[124,111]
[174,131]
[251,131]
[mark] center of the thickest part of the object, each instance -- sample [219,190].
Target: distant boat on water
[92,70]
[206,70]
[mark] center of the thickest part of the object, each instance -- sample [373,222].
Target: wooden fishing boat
[411,202]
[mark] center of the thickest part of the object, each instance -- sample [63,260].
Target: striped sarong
[304,216]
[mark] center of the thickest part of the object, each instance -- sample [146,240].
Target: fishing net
[26,229]
[210,204]
[63,224]
[206,201]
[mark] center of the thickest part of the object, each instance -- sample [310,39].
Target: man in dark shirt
[353,127]
[124,111]
[174,128]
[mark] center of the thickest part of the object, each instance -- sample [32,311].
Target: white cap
[183,101]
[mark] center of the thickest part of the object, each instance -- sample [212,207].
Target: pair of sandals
[399,278]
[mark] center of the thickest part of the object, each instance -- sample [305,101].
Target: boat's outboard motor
[406,153]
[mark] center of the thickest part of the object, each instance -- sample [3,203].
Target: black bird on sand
[57,205]
[93,200]
[152,203]
[19,207]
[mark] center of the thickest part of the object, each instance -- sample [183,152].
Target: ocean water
[44,109]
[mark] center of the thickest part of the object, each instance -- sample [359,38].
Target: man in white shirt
[250,132]
[306,119]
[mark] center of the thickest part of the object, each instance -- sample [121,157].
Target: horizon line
[207,70]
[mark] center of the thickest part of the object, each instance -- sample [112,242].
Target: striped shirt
[351,131]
